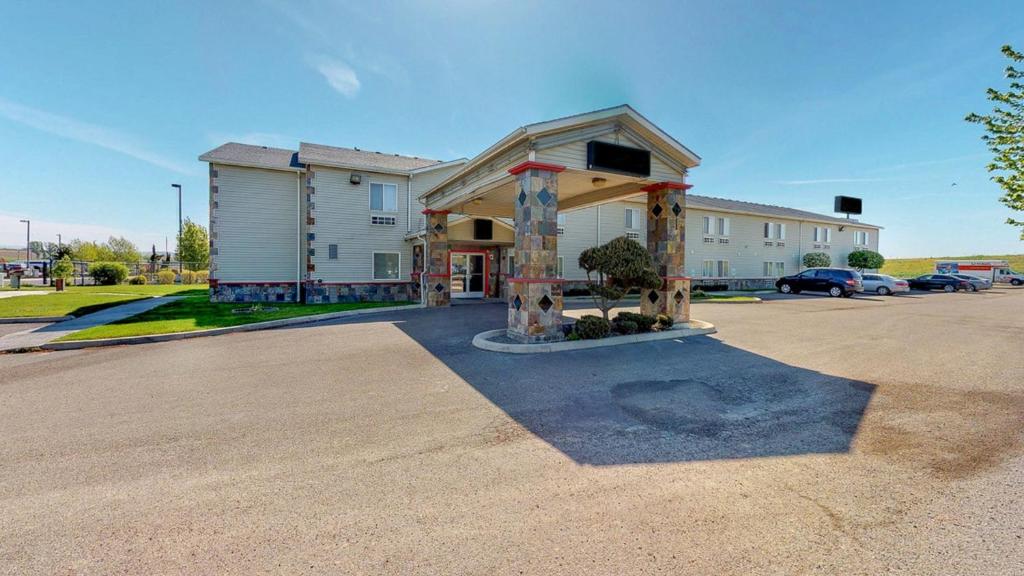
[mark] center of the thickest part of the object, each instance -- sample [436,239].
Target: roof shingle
[249,155]
[352,157]
[712,203]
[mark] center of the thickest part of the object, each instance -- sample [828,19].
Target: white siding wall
[342,212]
[574,155]
[257,225]
[420,184]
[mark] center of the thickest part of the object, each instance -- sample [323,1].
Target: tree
[123,250]
[90,251]
[865,260]
[38,249]
[620,265]
[194,246]
[817,260]
[1005,138]
[62,251]
[63,268]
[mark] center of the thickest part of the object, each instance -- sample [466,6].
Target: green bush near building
[108,273]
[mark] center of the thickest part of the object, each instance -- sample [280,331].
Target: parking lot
[811,435]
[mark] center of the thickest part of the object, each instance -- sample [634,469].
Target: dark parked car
[939,282]
[836,281]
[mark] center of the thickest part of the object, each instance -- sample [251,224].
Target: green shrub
[817,260]
[643,322]
[572,336]
[626,326]
[108,273]
[202,276]
[865,260]
[592,327]
[63,268]
[188,277]
[165,276]
[137,280]
[698,293]
[665,321]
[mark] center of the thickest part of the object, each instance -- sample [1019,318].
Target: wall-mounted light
[598,181]
[355,178]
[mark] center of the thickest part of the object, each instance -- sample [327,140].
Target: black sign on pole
[848,205]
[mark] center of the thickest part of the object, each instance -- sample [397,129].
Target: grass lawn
[82,300]
[911,267]
[198,313]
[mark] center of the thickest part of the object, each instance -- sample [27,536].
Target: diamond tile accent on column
[439,287]
[545,303]
[652,296]
[438,228]
[657,210]
[522,197]
[544,196]
[517,302]
[676,208]
[679,296]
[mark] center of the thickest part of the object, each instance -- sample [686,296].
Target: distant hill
[10,254]
[907,267]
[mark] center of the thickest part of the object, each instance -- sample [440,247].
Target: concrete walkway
[39,336]
[13,293]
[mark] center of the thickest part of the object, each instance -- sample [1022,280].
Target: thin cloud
[829,181]
[72,129]
[339,76]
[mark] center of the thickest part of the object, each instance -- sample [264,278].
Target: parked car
[884,284]
[835,281]
[974,283]
[939,282]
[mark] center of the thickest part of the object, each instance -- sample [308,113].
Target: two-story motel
[328,224]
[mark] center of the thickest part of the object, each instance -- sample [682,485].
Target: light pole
[28,242]
[178,243]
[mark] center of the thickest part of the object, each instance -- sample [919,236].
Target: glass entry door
[467,270]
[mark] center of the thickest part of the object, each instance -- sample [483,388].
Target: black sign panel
[609,157]
[848,205]
[483,229]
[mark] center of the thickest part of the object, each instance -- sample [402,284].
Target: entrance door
[467,270]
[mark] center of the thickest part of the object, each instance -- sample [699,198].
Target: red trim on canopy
[535,165]
[662,185]
[428,211]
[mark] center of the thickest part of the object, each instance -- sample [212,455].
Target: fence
[41,270]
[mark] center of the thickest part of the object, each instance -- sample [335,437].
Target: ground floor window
[715,268]
[774,269]
[386,265]
[561,261]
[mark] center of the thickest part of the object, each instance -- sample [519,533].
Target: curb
[755,300]
[35,319]
[481,340]
[78,344]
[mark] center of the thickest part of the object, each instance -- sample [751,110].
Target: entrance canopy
[602,156]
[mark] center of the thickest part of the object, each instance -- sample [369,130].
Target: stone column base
[535,311]
[673,299]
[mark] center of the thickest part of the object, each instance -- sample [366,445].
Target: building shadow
[667,401]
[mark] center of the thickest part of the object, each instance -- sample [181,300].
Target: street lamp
[28,241]
[178,243]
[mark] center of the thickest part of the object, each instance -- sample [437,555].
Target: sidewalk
[39,336]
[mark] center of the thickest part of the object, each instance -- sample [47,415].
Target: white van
[994,270]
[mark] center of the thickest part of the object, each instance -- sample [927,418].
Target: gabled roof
[322,155]
[722,204]
[253,156]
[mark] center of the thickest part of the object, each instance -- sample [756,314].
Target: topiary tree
[817,260]
[614,269]
[63,268]
[865,260]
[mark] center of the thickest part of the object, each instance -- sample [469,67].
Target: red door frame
[487,266]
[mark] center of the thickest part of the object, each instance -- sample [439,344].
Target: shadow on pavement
[668,401]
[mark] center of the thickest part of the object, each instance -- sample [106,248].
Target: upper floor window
[774,230]
[723,227]
[383,197]
[706,221]
[822,234]
[632,218]
[860,238]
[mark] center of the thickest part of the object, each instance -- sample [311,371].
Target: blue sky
[104,105]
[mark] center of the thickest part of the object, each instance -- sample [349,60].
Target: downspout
[298,233]
[598,243]
[799,245]
[408,204]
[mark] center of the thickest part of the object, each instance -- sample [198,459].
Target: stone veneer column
[214,250]
[666,241]
[310,222]
[535,291]
[438,271]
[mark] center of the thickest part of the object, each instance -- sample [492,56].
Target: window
[707,224]
[723,268]
[632,218]
[723,227]
[828,235]
[383,197]
[769,231]
[780,232]
[558,271]
[332,251]
[774,269]
[561,224]
[709,240]
[708,269]
[633,235]
[860,238]
[386,265]
[511,265]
